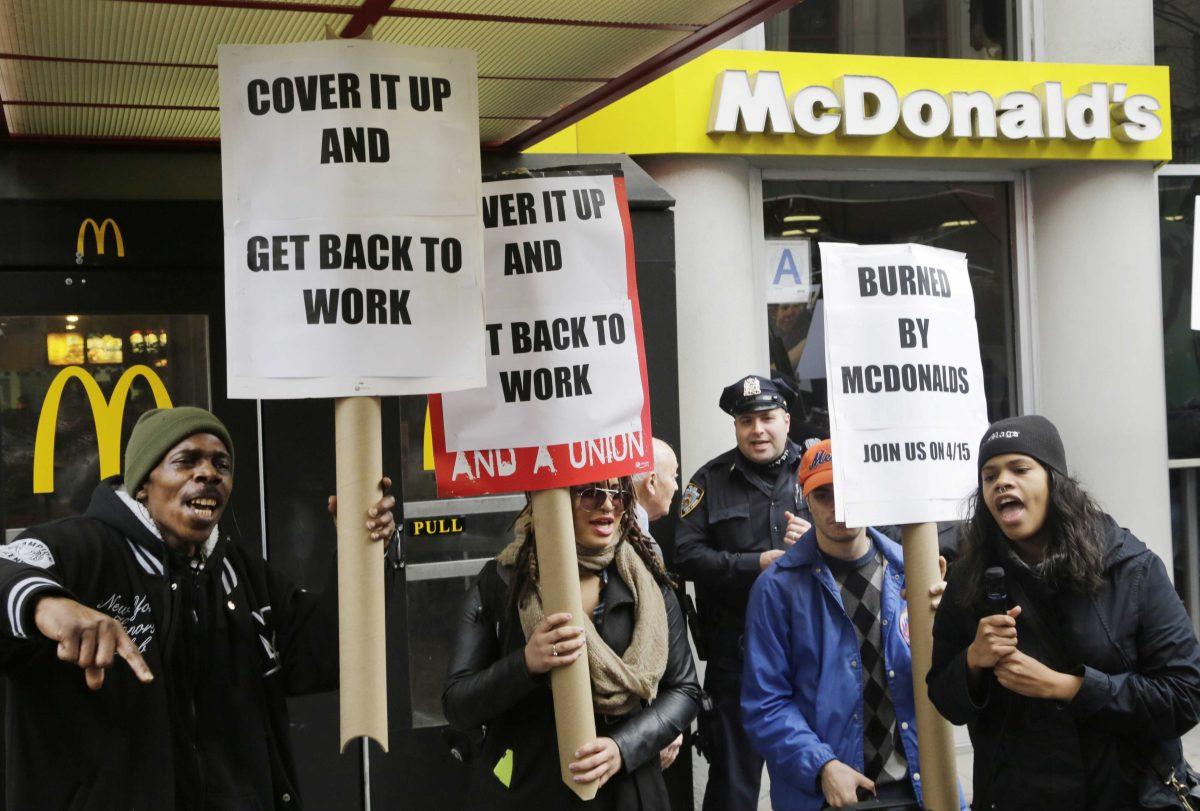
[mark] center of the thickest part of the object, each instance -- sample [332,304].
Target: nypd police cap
[754,393]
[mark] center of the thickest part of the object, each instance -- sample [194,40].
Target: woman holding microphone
[644,688]
[1061,642]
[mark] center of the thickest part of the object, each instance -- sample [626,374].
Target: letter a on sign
[790,270]
[787,267]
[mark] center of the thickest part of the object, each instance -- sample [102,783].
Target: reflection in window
[35,350]
[962,29]
[968,217]
[1181,345]
[433,610]
[1177,45]
[1185,534]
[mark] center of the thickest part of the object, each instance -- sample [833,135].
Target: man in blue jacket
[827,694]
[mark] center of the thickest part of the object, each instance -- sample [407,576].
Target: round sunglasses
[593,498]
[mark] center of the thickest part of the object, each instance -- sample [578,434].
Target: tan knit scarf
[619,683]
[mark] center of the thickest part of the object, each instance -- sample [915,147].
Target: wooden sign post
[313,195]
[562,407]
[906,409]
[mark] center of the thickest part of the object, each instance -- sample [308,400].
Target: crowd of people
[153,655]
[1076,675]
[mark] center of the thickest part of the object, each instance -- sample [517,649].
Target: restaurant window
[1181,344]
[84,378]
[1177,45]
[971,217]
[962,29]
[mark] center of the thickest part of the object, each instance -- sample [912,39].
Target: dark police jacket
[726,521]
[225,643]
[489,685]
[1132,643]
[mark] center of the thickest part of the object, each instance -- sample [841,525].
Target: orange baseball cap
[816,466]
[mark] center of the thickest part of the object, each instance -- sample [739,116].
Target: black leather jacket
[1132,643]
[488,685]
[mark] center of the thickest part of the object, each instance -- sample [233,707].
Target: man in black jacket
[736,518]
[213,639]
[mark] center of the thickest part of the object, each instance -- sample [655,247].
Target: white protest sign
[1196,267]
[907,406]
[563,348]
[353,248]
[789,270]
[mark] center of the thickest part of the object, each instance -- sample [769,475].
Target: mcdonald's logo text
[106,414]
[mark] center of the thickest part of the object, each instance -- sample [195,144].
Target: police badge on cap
[754,393]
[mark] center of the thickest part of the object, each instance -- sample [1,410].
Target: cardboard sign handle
[935,737]
[558,579]
[362,637]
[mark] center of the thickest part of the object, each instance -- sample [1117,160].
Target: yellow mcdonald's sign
[106,414]
[99,232]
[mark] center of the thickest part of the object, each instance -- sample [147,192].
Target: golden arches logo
[106,414]
[100,233]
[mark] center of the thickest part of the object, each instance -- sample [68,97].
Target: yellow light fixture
[958,223]
[71,319]
[802,218]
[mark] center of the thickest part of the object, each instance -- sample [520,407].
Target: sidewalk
[1191,750]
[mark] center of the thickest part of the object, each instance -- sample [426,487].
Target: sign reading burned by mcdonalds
[905,381]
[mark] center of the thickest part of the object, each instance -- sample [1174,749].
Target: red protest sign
[567,400]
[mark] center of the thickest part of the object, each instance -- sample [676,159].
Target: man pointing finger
[154,649]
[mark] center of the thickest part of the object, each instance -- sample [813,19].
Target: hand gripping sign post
[566,401]
[906,411]
[353,254]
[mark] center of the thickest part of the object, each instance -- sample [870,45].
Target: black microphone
[995,590]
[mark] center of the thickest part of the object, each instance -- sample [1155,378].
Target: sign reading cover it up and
[907,405]
[353,248]
[566,399]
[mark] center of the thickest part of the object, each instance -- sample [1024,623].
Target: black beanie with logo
[1032,435]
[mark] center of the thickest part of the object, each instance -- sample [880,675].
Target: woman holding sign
[1061,643]
[644,688]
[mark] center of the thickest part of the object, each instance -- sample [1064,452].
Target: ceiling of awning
[145,70]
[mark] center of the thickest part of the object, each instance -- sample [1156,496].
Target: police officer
[737,516]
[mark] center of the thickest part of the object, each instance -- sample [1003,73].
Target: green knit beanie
[159,430]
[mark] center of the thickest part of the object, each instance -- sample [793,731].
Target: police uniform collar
[789,458]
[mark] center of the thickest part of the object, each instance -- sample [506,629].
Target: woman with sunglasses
[1061,643]
[644,688]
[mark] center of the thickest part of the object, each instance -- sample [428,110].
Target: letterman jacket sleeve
[28,572]
[306,628]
